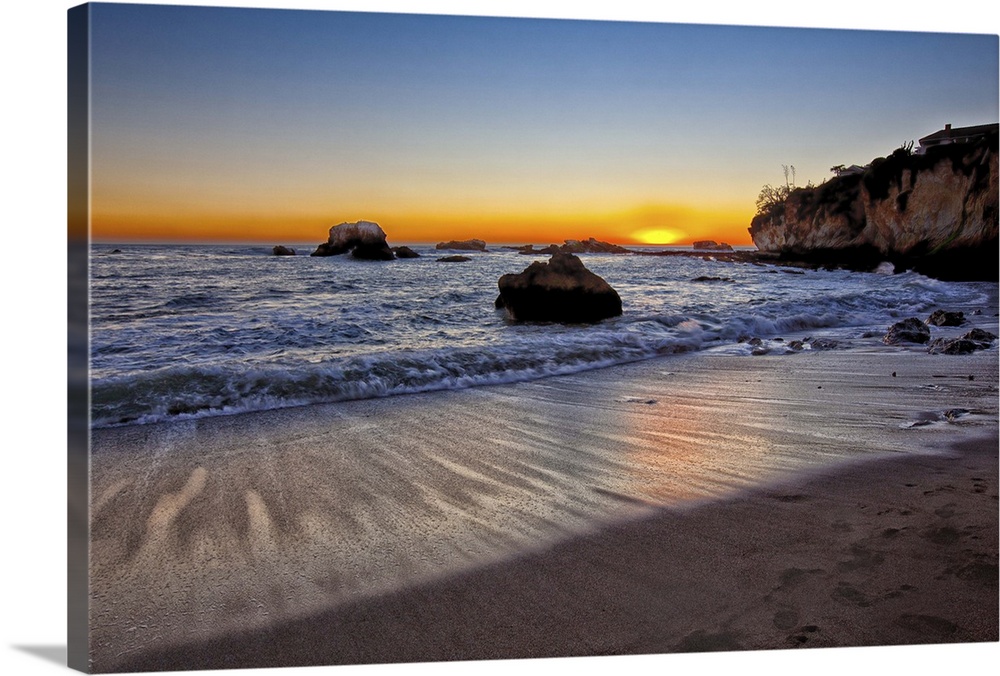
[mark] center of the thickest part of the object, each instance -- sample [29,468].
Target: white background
[33,354]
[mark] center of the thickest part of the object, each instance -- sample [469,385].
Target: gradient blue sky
[274,124]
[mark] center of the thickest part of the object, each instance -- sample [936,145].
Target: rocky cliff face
[935,213]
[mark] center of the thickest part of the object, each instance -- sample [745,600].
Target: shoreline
[207,529]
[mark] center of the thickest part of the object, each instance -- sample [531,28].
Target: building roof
[959,132]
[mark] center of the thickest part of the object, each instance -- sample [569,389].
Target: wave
[366,331]
[189,391]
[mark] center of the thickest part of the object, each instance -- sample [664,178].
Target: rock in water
[945,318]
[910,330]
[574,246]
[711,245]
[363,239]
[464,245]
[454,259]
[591,245]
[283,251]
[561,290]
[404,252]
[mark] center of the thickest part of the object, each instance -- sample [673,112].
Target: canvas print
[419,338]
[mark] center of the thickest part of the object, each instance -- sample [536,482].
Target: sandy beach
[689,503]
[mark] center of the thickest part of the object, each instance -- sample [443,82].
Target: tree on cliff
[772,197]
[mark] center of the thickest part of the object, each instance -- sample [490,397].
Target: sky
[271,125]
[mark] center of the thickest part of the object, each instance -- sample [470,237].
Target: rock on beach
[976,339]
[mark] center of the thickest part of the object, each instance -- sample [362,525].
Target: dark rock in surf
[910,330]
[822,344]
[454,259]
[404,252]
[283,251]
[945,318]
[561,290]
[976,339]
[707,278]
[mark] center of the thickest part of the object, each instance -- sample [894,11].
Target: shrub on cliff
[771,200]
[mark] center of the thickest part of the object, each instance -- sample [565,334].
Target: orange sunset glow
[640,227]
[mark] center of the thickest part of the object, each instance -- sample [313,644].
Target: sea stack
[561,290]
[363,239]
[463,245]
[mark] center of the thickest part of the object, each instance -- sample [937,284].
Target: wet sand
[697,502]
[897,551]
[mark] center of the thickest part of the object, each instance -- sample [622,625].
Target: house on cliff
[956,135]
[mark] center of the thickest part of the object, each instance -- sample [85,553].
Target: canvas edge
[78,385]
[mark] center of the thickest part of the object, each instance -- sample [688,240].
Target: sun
[658,235]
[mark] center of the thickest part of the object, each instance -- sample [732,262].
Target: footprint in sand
[946,535]
[803,635]
[791,577]
[861,557]
[849,596]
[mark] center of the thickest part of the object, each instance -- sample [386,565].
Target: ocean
[181,331]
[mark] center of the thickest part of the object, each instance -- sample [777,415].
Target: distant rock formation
[711,245]
[404,252]
[935,213]
[574,246]
[364,240]
[463,245]
[454,259]
[283,251]
[561,290]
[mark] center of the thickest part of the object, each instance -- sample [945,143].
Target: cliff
[935,213]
